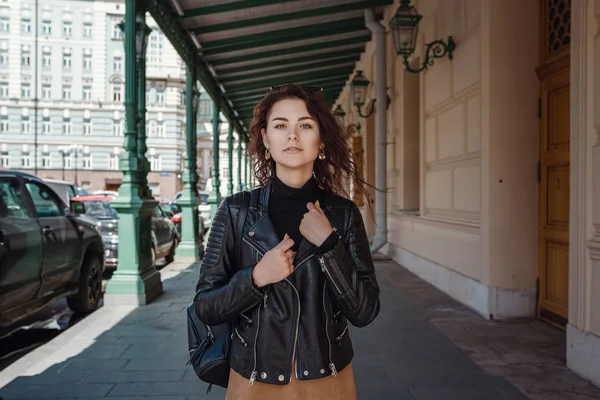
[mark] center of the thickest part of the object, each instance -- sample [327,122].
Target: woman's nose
[292,135]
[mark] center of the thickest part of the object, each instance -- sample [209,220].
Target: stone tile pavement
[140,353]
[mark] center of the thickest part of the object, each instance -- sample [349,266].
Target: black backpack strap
[239,231]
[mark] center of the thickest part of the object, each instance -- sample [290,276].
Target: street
[41,327]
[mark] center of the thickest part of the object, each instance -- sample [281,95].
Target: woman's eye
[306,126]
[280,126]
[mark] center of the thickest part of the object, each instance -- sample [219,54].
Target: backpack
[209,345]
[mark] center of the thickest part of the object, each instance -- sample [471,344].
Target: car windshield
[99,209]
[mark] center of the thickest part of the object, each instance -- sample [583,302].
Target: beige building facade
[493,161]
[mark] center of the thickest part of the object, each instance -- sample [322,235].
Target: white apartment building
[62,84]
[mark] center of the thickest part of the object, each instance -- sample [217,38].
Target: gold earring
[322,152]
[267,153]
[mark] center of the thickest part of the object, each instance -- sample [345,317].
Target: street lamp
[359,86]
[405,27]
[72,149]
[340,115]
[142,31]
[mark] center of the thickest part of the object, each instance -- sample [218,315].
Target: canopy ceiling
[246,46]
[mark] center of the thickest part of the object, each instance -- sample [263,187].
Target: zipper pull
[265,297]
[253,377]
[333,370]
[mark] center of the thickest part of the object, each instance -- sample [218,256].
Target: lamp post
[70,150]
[340,115]
[136,280]
[405,28]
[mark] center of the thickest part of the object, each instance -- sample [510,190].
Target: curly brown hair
[334,172]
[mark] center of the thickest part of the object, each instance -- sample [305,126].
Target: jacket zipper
[331,364]
[341,336]
[297,328]
[254,371]
[326,271]
[241,338]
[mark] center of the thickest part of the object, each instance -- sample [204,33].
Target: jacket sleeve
[351,275]
[223,291]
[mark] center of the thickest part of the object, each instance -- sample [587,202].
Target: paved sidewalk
[140,353]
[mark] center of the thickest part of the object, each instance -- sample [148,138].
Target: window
[25,160]
[47,59]
[12,199]
[160,130]
[117,90]
[25,90]
[4,25]
[113,162]
[67,60]
[46,91]
[3,57]
[154,52]
[67,162]
[45,200]
[67,127]
[25,25]
[152,128]
[3,90]
[46,161]
[87,30]
[25,125]
[47,126]
[25,57]
[67,29]
[87,127]
[5,159]
[155,163]
[66,92]
[117,128]
[117,64]
[160,97]
[88,161]
[117,33]
[87,62]
[4,126]
[87,93]
[47,27]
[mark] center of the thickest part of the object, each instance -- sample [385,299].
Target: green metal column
[214,199]
[189,245]
[239,157]
[230,159]
[144,164]
[135,281]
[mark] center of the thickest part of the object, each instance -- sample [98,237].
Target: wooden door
[554,199]
[554,167]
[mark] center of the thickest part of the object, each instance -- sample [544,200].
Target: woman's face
[292,135]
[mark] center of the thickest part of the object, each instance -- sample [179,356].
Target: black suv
[46,251]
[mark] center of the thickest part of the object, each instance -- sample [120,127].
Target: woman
[305,269]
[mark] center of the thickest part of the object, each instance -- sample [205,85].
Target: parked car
[165,237]
[46,251]
[65,189]
[203,207]
[177,216]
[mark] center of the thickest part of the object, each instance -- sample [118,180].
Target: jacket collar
[262,233]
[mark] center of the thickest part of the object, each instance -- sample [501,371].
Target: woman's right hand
[276,265]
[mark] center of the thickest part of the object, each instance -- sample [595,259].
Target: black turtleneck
[287,206]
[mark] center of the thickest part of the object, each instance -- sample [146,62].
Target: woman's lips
[293,150]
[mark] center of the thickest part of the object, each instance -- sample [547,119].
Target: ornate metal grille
[559,25]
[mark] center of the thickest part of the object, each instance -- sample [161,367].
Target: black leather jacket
[304,317]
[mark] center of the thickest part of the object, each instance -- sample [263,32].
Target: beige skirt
[328,388]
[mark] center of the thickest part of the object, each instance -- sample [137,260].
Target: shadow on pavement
[141,353]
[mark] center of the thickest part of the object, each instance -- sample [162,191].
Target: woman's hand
[315,226]
[276,265]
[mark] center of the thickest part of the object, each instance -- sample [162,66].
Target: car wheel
[171,256]
[90,286]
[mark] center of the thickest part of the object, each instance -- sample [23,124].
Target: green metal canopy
[242,47]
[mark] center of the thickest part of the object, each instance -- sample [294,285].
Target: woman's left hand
[315,226]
